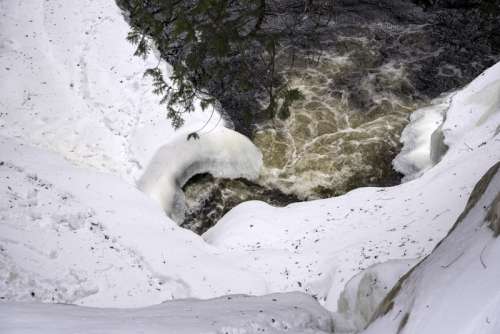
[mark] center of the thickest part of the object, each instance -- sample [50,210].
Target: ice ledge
[222,153]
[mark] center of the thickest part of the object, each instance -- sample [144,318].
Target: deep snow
[75,229]
[455,290]
[222,153]
[318,246]
[292,313]
[71,84]
[362,295]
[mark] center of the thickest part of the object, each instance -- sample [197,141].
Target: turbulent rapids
[376,63]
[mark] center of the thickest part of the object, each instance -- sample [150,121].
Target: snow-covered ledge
[221,152]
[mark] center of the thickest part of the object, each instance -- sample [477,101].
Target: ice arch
[222,153]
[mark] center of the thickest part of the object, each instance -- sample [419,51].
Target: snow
[65,89]
[71,84]
[293,313]
[79,126]
[455,289]
[416,156]
[317,246]
[222,153]
[364,292]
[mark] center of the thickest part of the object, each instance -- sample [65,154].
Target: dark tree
[214,45]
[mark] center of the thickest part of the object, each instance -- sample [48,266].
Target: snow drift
[455,289]
[71,235]
[222,153]
[317,246]
[422,139]
[364,292]
[70,84]
[292,313]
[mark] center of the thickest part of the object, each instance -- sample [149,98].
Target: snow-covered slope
[421,147]
[364,292]
[222,153]
[318,246]
[68,234]
[292,313]
[77,236]
[70,83]
[455,289]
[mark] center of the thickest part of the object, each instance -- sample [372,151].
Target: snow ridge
[455,289]
[222,153]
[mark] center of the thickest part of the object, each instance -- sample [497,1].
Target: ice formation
[364,292]
[222,153]
[291,313]
[422,139]
[455,289]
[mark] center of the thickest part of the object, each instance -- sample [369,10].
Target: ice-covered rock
[455,289]
[422,139]
[222,153]
[364,292]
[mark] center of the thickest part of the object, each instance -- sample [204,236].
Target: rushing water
[370,71]
[342,135]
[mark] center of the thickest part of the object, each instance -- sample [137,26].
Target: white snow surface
[78,126]
[293,313]
[417,138]
[70,83]
[76,236]
[222,153]
[318,246]
[455,290]
[364,292]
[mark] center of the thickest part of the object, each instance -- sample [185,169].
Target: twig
[440,214]
[481,257]
[454,260]
[216,125]
[209,119]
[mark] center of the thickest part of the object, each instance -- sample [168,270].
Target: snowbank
[277,313]
[363,294]
[455,289]
[78,236]
[70,83]
[71,235]
[317,246]
[421,146]
[222,153]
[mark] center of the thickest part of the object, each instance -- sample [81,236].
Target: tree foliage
[215,46]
